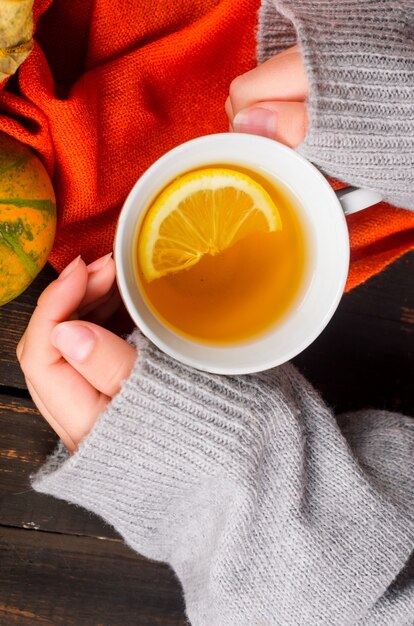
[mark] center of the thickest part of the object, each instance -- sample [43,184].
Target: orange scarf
[112,85]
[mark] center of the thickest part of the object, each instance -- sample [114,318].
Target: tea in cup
[232,252]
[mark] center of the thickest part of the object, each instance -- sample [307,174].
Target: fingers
[59,430]
[284,121]
[68,400]
[57,303]
[102,358]
[281,78]
[101,278]
[229,111]
[291,50]
[100,311]
[102,297]
[270,99]
[61,394]
[20,345]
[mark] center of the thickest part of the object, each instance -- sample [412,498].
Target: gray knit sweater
[359,59]
[271,511]
[246,486]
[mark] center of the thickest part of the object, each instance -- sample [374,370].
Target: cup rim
[148,331]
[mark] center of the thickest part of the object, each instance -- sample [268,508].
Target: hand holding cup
[72,365]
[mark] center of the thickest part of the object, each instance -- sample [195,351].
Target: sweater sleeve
[359,59]
[247,488]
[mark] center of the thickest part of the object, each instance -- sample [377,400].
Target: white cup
[323,211]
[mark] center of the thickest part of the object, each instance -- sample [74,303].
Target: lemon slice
[202,212]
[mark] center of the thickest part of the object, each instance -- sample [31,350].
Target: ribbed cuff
[359,59]
[168,428]
[245,486]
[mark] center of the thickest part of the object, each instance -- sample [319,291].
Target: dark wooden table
[60,565]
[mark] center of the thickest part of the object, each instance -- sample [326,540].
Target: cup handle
[353,199]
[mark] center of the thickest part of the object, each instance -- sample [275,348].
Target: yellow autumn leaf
[16,34]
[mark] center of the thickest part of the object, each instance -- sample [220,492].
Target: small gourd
[27,217]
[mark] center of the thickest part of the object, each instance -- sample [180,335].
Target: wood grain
[25,442]
[49,579]
[365,356]
[14,318]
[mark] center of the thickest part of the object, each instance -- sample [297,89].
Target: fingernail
[256,121]
[97,265]
[73,340]
[69,268]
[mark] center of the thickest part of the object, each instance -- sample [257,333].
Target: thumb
[284,121]
[101,357]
